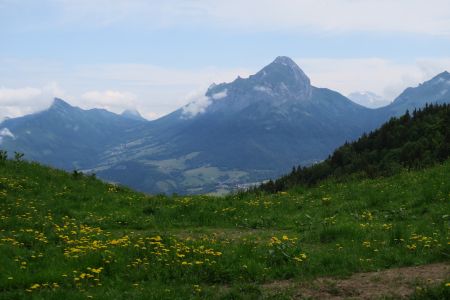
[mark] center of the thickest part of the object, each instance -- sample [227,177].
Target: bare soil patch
[397,283]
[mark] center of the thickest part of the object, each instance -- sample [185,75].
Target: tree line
[412,141]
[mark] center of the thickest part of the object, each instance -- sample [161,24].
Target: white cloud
[197,104]
[150,115]
[155,91]
[381,76]
[115,101]
[414,16]
[5,132]
[16,102]
[10,96]
[151,76]
[219,95]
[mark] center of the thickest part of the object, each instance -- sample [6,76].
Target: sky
[157,56]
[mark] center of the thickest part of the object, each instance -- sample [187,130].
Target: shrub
[3,156]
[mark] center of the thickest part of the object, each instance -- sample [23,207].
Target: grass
[438,292]
[69,236]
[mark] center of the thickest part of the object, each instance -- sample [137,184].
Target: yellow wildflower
[97,271]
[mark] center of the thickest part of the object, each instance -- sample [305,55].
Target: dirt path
[399,283]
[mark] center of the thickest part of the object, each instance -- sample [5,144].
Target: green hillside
[69,236]
[412,141]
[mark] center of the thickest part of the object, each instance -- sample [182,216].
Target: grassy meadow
[71,236]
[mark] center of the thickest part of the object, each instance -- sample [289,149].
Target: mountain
[133,115]
[436,90]
[246,130]
[411,142]
[65,136]
[368,99]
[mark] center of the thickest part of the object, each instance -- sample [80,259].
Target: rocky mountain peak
[60,105]
[444,75]
[283,76]
[132,114]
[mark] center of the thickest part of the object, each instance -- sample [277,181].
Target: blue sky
[158,55]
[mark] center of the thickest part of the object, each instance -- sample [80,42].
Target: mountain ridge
[66,136]
[247,130]
[368,99]
[411,141]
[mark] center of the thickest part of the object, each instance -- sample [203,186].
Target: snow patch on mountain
[263,89]
[220,95]
[368,99]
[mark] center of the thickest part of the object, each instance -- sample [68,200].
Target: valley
[229,150]
[250,130]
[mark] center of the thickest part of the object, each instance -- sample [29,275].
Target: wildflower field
[71,236]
